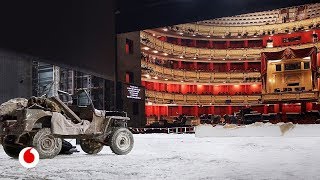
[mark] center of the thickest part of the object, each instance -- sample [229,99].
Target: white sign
[134,92]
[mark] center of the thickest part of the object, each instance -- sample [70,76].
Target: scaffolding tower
[48,79]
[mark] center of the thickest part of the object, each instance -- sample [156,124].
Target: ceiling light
[193,35]
[181,57]
[165,54]
[155,51]
[181,33]
[182,81]
[153,34]
[156,77]
[146,48]
[208,36]
[165,29]
[166,79]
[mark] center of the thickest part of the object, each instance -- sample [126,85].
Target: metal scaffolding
[48,79]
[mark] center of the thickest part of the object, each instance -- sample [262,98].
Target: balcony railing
[191,52]
[163,73]
[291,96]
[191,99]
[202,29]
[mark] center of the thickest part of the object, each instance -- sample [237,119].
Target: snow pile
[259,130]
[9,108]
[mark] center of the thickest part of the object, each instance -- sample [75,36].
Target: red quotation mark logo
[29,157]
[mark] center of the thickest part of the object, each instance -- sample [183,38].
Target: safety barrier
[174,130]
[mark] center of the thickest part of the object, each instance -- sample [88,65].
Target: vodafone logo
[29,157]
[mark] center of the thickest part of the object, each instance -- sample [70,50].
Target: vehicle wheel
[46,144]
[90,146]
[121,141]
[10,148]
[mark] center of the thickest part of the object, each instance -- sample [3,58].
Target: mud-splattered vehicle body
[43,122]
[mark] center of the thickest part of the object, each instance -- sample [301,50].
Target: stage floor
[171,156]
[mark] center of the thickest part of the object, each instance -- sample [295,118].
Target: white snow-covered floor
[168,156]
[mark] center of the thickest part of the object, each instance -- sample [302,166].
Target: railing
[191,99]
[290,96]
[199,76]
[202,29]
[191,52]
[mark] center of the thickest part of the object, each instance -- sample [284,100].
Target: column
[265,109]
[211,66]
[179,64]
[246,65]
[309,106]
[211,44]
[303,107]
[246,44]
[179,41]
[195,65]
[194,43]
[211,110]
[228,64]
[196,111]
[229,110]
[179,110]
[228,44]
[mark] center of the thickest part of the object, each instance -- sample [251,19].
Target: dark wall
[15,76]
[79,34]
[130,62]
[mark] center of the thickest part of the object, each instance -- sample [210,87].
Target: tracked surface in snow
[168,156]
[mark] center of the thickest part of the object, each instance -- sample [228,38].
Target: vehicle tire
[10,148]
[46,144]
[90,146]
[121,141]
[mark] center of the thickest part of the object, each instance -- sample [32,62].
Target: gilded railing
[216,30]
[290,96]
[192,99]
[191,52]
[199,76]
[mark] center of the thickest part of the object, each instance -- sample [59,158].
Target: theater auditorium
[254,67]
